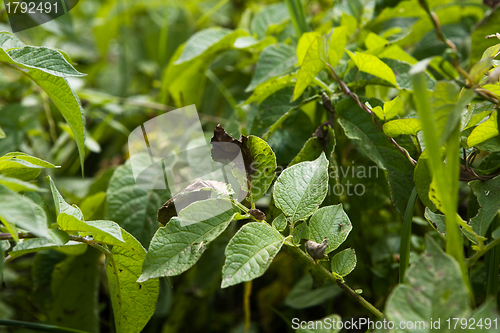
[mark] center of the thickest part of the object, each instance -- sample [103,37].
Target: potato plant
[369,135]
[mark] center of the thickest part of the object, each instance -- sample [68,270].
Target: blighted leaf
[398,127]
[433,288]
[484,131]
[175,248]
[372,65]
[344,262]
[301,188]
[273,61]
[330,222]
[133,301]
[197,191]
[262,168]
[250,252]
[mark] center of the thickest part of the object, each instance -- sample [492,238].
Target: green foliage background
[411,92]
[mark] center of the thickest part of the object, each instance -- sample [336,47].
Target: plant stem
[37,327]
[324,273]
[482,251]
[404,256]
[354,97]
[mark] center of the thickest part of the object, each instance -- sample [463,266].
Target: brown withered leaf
[258,214]
[227,153]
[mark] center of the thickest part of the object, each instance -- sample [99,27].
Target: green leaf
[74,289]
[107,232]
[344,262]
[48,69]
[203,41]
[16,210]
[372,65]
[441,294]
[338,43]
[269,17]
[398,127]
[132,207]
[264,90]
[391,109]
[133,301]
[175,248]
[484,131]
[301,188]
[274,60]
[312,150]
[45,59]
[438,221]
[303,295]
[329,324]
[272,110]
[359,125]
[19,185]
[487,26]
[2,133]
[39,244]
[488,196]
[330,222]
[486,312]
[305,42]
[263,167]
[62,207]
[22,166]
[250,252]
[314,62]
[280,222]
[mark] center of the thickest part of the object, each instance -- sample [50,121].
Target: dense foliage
[370,135]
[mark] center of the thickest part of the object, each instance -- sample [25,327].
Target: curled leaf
[315,250]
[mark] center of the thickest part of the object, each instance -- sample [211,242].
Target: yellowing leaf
[305,42]
[484,132]
[402,126]
[337,45]
[373,40]
[372,65]
[313,63]
[349,22]
[391,109]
